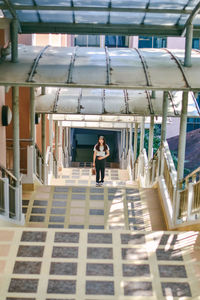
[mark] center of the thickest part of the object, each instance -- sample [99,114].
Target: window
[152,42]
[195,43]
[87,40]
[114,41]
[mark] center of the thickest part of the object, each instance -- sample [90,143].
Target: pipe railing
[10,197]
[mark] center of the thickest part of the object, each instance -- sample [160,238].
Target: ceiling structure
[110,102]
[116,17]
[114,68]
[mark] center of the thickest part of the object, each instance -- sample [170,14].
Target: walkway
[100,265]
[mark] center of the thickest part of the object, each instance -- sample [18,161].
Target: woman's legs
[97,166]
[102,170]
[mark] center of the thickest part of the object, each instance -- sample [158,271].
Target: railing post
[163,128]
[151,134]
[6,196]
[16,145]
[40,168]
[142,130]
[44,145]
[190,200]
[32,121]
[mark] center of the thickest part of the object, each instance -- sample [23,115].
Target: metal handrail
[5,173]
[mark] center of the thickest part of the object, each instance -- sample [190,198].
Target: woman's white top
[101,152]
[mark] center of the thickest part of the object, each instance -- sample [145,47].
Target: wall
[173,128]
[2,131]
[176,42]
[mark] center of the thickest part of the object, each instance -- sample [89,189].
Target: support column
[43,92]
[44,144]
[60,146]
[51,140]
[16,143]
[131,136]
[14,41]
[164,117]
[151,134]
[56,140]
[127,140]
[135,142]
[188,45]
[32,120]
[142,129]
[182,137]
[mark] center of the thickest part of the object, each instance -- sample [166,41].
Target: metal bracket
[145,67]
[73,58]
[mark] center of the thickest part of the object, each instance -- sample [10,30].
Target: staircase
[82,242]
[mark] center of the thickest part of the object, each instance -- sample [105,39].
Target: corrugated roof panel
[93,3]
[21,2]
[54,65]
[129,3]
[53,2]
[126,68]
[91,102]
[115,102]
[90,66]
[168,4]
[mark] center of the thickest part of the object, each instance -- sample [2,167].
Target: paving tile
[100,238]
[169,254]
[58,211]
[136,270]
[2,266]
[96,190]
[59,203]
[77,211]
[99,287]
[77,219]
[75,176]
[25,202]
[99,253]
[85,182]
[172,271]
[114,197]
[93,269]
[96,212]
[27,267]
[77,203]
[4,250]
[65,176]
[96,226]
[135,220]
[33,236]
[61,189]
[135,213]
[76,226]
[24,210]
[23,286]
[62,268]
[30,251]
[38,210]
[78,197]
[168,238]
[56,226]
[136,227]
[57,219]
[134,254]
[16,298]
[60,196]
[6,235]
[132,191]
[135,239]
[69,181]
[96,197]
[37,218]
[40,203]
[140,288]
[96,204]
[61,287]
[176,289]
[66,237]
[78,190]
[133,198]
[115,191]
[65,252]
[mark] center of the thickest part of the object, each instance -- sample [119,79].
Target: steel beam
[182,138]
[16,144]
[188,46]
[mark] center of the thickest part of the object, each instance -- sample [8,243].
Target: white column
[142,129]
[16,143]
[131,136]
[135,142]
[32,121]
[44,144]
[151,134]
[163,129]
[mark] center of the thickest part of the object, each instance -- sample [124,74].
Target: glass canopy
[128,17]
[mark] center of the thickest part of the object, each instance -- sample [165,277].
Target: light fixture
[6,115]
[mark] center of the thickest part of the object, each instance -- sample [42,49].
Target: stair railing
[10,197]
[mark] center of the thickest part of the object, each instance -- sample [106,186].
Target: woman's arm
[103,157]
[94,158]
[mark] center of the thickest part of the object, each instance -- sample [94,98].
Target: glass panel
[27,16]
[126,18]
[168,4]
[92,3]
[159,42]
[116,41]
[58,17]
[22,2]
[2,204]
[161,19]
[53,2]
[145,42]
[130,3]
[91,17]
[12,212]
[195,43]
[87,40]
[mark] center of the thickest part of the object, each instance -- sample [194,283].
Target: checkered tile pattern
[87,264]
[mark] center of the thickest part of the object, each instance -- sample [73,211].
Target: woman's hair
[104,144]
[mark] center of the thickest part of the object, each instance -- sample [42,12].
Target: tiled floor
[74,264]
[89,208]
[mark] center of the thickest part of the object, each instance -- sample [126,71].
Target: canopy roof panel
[112,102]
[128,17]
[151,69]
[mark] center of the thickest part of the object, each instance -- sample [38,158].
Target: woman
[101,152]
